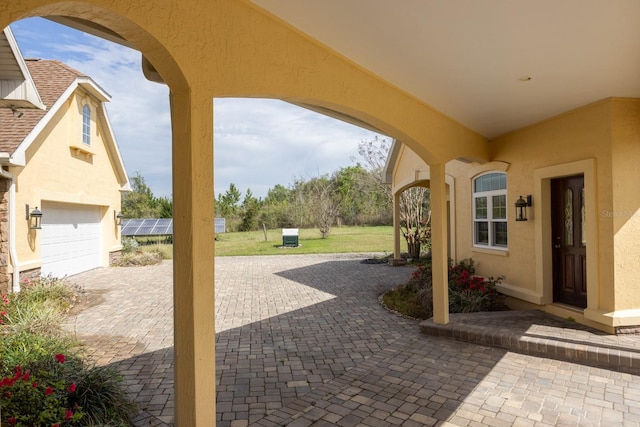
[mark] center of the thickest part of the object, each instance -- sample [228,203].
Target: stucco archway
[192,389]
[223,48]
[423,180]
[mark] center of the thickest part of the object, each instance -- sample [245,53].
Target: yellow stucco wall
[600,140]
[55,171]
[219,48]
[580,134]
[624,216]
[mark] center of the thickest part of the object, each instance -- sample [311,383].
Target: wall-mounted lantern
[34,217]
[117,217]
[521,208]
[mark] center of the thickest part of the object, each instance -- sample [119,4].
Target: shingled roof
[52,78]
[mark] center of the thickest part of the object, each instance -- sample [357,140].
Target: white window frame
[490,220]
[86,124]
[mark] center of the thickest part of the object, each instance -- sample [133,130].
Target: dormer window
[86,124]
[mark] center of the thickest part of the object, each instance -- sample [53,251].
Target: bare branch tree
[324,205]
[374,154]
[415,219]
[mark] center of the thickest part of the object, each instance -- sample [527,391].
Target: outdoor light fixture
[16,112]
[521,208]
[117,217]
[34,217]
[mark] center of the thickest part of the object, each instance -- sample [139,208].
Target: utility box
[290,237]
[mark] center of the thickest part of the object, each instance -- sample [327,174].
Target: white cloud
[258,143]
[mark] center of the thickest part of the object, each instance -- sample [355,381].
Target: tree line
[352,195]
[141,203]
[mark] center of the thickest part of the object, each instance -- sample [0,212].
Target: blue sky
[257,142]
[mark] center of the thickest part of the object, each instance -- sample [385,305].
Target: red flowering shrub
[38,399]
[467,292]
[43,380]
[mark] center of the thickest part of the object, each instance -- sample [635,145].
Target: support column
[193,260]
[439,251]
[396,227]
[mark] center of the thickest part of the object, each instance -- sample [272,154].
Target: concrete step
[536,333]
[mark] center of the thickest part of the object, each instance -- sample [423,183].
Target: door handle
[556,246]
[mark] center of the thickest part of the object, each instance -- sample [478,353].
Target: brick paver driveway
[302,341]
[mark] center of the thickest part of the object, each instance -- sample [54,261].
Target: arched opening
[218,50]
[132,105]
[102,21]
[422,184]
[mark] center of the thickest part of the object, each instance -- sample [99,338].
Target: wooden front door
[569,241]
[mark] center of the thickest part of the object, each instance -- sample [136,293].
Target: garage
[71,238]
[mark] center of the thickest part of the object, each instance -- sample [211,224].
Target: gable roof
[51,78]
[56,82]
[17,89]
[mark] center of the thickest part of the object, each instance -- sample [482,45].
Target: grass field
[340,240]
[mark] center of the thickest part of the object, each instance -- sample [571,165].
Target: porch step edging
[539,334]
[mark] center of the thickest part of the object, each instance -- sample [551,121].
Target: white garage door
[70,241]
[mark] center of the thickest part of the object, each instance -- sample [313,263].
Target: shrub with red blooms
[470,293]
[38,399]
[43,379]
[467,292]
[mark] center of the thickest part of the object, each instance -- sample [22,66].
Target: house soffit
[493,66]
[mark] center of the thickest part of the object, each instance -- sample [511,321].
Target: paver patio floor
[301,340]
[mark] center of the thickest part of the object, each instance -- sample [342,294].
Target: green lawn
[340,240]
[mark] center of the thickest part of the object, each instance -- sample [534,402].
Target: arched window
[490,210]
[86,124]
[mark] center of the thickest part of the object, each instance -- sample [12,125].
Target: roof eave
[88,84]
[387,172]
[112,147]
[32,97]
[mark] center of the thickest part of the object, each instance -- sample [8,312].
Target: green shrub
[39,397]
[102,396]
[35,317]
[43,382]
[139,258]
[467,292]
[129,245]
[47,289]
[30,322]
[30,350]
[165,250]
